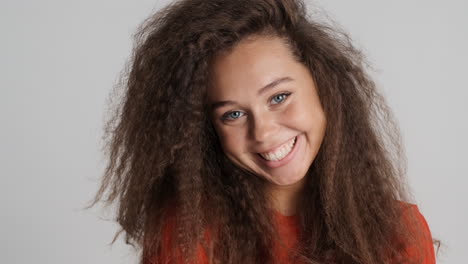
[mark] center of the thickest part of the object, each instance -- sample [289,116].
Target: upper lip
[277,146]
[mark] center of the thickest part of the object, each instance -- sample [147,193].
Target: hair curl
[165,158]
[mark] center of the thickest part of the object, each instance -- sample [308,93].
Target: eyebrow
[264,89]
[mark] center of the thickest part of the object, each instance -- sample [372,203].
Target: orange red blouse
[289,232]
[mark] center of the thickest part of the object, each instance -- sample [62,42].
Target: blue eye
[232,115]
[279,98]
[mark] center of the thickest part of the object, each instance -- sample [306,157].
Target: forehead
[250,65]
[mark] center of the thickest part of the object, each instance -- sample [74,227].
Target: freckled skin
[262,123]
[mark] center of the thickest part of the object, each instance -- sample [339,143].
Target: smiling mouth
[281,152]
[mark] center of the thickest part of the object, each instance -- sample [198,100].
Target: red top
[289,232]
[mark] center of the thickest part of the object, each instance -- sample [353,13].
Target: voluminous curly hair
[166,162]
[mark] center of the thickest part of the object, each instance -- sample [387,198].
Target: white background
[60,59]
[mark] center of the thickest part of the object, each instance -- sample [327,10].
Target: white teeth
[281,152]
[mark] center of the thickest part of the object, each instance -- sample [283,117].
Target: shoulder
[422,247]
[413,217]
[169,250]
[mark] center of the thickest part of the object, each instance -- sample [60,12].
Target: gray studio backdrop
[60,59]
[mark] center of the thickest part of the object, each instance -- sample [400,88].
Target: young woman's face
[266,110]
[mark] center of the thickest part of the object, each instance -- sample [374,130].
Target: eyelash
[225,117]
[286,94]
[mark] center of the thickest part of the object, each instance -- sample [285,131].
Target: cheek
[231,140]
[299,114]
[306,116]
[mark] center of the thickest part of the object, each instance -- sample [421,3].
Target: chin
[287,181]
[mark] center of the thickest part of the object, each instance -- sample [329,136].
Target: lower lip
[284,161]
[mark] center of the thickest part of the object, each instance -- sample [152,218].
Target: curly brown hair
[165,159]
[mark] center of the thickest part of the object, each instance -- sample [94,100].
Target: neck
[286,199]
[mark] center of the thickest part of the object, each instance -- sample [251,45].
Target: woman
[250,133]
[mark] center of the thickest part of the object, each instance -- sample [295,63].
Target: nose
[263,127]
